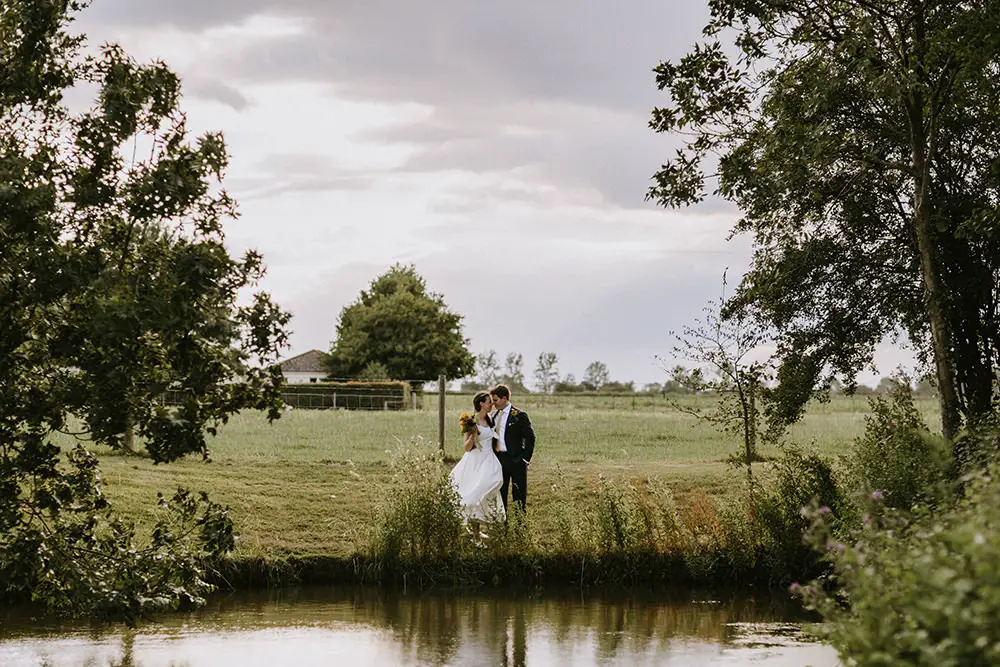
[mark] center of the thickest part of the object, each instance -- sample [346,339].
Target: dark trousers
[515,477]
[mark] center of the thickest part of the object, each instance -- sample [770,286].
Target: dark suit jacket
[518,435]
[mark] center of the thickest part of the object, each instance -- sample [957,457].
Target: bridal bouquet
[467,422]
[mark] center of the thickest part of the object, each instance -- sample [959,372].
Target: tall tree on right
[859,140]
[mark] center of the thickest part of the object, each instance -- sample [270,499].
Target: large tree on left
[115,287]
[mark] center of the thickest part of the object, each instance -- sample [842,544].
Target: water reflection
[341,627]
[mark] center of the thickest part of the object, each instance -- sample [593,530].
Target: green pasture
[306,483]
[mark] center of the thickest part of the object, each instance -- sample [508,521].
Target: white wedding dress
[477,478]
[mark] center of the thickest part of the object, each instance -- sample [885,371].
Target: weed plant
[623,532]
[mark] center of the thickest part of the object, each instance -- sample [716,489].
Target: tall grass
[622,532]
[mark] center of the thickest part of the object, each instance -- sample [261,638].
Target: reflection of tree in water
[127,658]
[484,628]
[427,628]
[436,628]
[128,651]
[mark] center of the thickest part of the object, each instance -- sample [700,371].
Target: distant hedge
[348,395]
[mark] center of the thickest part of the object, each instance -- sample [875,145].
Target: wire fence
[349,401]
[345,400]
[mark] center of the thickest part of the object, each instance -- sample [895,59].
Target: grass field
[306,484]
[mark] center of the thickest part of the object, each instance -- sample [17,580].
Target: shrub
[665,519]
[419,517]
[897,455]
[923,590]
[618,523]
[801,480]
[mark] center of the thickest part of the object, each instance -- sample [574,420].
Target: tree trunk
[128,441]
[951,419]
[934,292]
[923,143]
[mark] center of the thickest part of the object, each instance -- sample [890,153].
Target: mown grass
[307,483]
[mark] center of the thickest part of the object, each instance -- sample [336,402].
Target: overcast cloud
[506,140]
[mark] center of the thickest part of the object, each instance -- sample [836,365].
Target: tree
[487,369]
[115,287]
[596,376]
[858,139]
[726,347]
[399,324]
[513,373]
[547,371]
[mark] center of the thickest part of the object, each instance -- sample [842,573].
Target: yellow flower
[467,423]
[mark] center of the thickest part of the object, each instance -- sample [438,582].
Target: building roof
[312,361]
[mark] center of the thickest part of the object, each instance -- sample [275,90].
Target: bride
[478,476]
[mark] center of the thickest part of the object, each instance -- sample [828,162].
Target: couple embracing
[499,442]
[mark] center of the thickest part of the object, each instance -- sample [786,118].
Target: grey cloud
[308,185]
[185,14]
[284,173]
[217,91]
[480,199]
[311,164]
[597,52]
[546,66]
[609,153]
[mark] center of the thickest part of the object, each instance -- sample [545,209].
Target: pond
[309,627]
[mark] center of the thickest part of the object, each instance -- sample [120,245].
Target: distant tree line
[597,379]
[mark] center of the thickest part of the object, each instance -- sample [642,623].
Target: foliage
[487,369]
[977,448]
[513,373]
[547,371]
[615,387]
[73,555]
[683,381]
[596,376]
[373,371]
[800,481]
[568,385]
[115,286]
[399,324]
[923,590]
[418,519]
[897,456]
[857,139]
[725,347]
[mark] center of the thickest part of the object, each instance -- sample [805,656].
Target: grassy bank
[306,485]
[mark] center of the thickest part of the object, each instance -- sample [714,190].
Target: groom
[515,445]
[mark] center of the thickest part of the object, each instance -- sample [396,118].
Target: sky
[500,148]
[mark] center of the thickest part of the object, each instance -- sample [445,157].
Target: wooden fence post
[441,390]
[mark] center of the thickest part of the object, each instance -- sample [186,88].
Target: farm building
[304,368]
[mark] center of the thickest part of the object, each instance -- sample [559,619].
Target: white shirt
[501,427]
